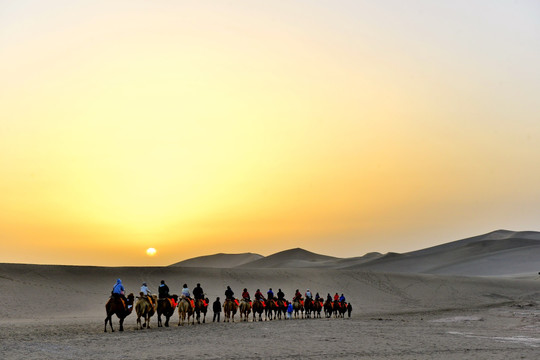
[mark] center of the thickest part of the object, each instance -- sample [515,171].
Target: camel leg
[108,319]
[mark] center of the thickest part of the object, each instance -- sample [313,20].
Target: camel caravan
[193,308]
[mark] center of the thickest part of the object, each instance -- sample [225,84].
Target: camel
[308,307]
[281,308]
[317,307]
[245,309]
[258,308]
[229,307]
[146,309]
[328,308]
[339,308]
[271,307]
[185,310]
[298,307]
[121,308]
[201,306]
[166,308]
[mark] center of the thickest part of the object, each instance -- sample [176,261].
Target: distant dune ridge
[219,260]
[498,253]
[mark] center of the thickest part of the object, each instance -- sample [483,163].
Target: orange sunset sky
[198,127]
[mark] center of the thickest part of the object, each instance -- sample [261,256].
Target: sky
[200,127]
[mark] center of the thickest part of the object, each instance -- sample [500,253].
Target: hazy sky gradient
[198,127]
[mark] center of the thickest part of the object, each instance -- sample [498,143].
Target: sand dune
[219,260]
[495,254]
[293,258]
[499,253]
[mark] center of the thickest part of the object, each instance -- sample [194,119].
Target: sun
[150,251]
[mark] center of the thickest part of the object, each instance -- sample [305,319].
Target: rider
[146,292]
[163,290]
[245,295]
[259,295]
[118,290]
[270,294]
[308,294]
[198,292]
[329,298]
[336,297]
[297,295]
[185,292]
[280,294]
[229,294]
[317,297]
[342,299]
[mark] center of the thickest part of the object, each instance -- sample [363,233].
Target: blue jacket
[289,308]
[118,288]
[342,298]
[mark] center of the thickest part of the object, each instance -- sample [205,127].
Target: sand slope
[45,291]
[500,253]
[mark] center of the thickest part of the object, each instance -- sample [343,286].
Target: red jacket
[336,297]
[245,295]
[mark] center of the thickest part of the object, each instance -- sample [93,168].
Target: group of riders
[198,294]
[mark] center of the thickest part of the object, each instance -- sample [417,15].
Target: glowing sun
[150,251]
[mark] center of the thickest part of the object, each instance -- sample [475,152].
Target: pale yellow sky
[342,127]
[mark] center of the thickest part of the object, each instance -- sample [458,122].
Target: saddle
[115,297]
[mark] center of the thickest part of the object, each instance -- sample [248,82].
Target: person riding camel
[280,295]
[245,295]
[163,290]
[185,292]
[308,294]
[258,295]
[118,291]
[297,296]
[229,294]
[270,294]
[336,297]
[118,288]
[317,297]
[198,292]
[342,299]
[329,298]
[146,292]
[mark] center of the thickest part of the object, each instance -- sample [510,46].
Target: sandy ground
[505,332]
[57,312]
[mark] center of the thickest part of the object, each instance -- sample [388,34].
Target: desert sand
[57,312]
